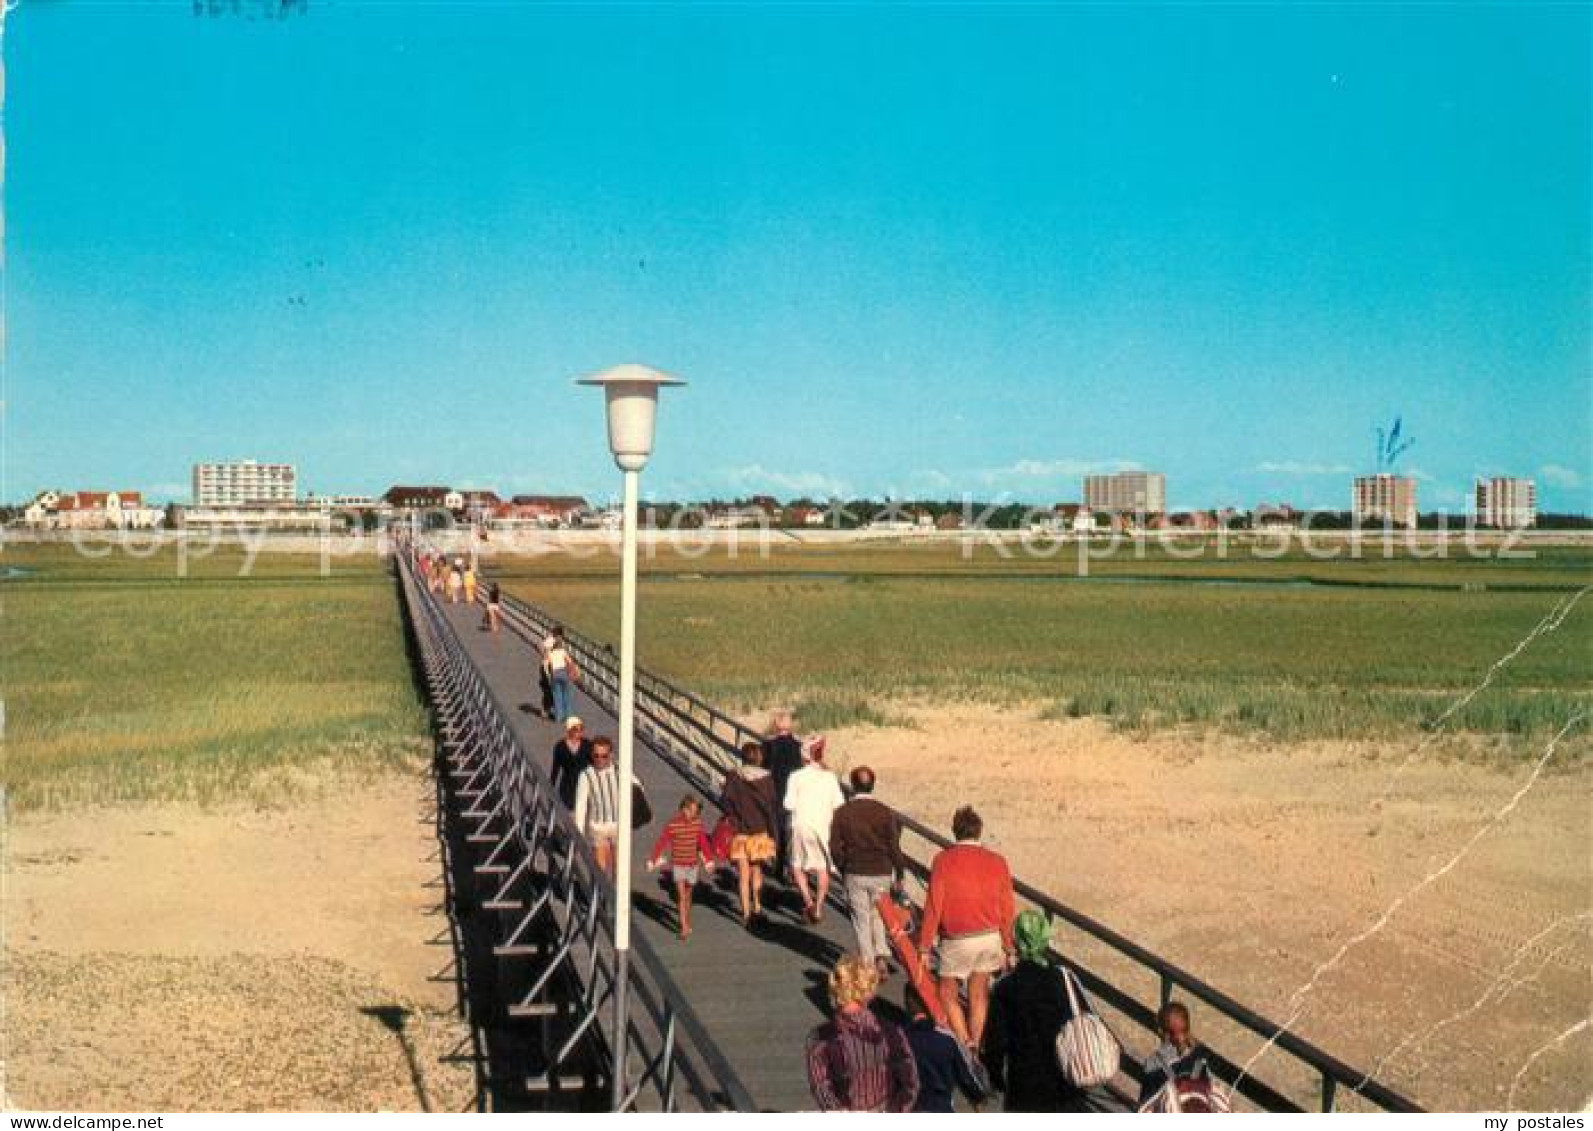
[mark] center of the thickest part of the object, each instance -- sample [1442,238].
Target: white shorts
[808,852]
[970,954]
[601,834]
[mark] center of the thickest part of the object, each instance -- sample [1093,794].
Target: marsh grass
[1287,663]
[131,688]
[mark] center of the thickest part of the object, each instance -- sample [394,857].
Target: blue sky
[907,250]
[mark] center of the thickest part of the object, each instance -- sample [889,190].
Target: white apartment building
[1505,502]
[243,482]
[1385,498]
[1126,492]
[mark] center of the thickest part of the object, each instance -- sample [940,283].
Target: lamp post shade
[631,392]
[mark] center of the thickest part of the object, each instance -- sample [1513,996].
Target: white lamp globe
[631,392]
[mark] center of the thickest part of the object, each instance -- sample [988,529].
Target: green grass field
[1374,648]
[124,683]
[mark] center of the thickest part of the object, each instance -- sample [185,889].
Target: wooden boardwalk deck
[759,992]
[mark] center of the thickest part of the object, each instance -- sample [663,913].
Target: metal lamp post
[631,393]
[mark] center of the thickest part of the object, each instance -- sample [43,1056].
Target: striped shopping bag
[1085,1048]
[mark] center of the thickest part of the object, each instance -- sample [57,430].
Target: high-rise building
[1385,498]
[1127,492]
[236,484]
[1507,502]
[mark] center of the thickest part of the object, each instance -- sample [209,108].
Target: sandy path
[1250,864]
[173,958]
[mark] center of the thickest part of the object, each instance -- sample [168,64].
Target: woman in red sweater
[686,844]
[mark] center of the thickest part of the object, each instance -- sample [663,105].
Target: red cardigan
[970,892]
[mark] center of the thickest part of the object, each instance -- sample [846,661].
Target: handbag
[1086,1050]
[641,808]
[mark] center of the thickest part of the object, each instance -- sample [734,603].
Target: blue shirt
[942,1067]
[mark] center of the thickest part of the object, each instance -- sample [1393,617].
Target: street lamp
[631,393]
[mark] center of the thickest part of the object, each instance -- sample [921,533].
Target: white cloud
[1295,467]
[1028,469]
[813,484]
[1558,475]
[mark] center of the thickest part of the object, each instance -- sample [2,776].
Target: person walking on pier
[1028,1007]
[470,584]
[944,1066]
[1178,1074]
[572,754]
[597,803]
[688,853]
[811,798]
[968,913]
[782,757]
[858,1061]
[494,608]
[748,800]
[563,675]
[456,581]
[866,845]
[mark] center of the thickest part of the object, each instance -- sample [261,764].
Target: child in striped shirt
[686,845]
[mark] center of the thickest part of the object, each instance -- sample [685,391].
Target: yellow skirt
[757,848]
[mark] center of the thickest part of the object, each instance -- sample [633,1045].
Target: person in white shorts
[812,795]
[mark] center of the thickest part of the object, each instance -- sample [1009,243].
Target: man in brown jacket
[866,845]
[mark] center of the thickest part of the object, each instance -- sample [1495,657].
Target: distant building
[735,518]
[803,516]
[1126,492]
[315,514]
[243,482]
[479,506]
[1510,503]
[548,510]
[1280,516]
[420,498]
[92,510]
[1185,520]
[40,509]
[1076,518]
[1385,498]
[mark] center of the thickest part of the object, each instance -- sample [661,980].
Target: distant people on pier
[470,583]
[597,799]
[683,848]
[563,675]
[866,847]
[1178,1076]
[1028,1007]
[456,581]
[968,917]
[858,1061]
[494,607]
[748,800]
[812,795]
[944,1066]
[572,754]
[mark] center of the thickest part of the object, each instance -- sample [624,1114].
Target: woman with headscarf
[1028,1007]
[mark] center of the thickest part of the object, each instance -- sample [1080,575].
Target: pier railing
[703,743]
[556,906]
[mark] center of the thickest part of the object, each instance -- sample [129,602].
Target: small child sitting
[686,844]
